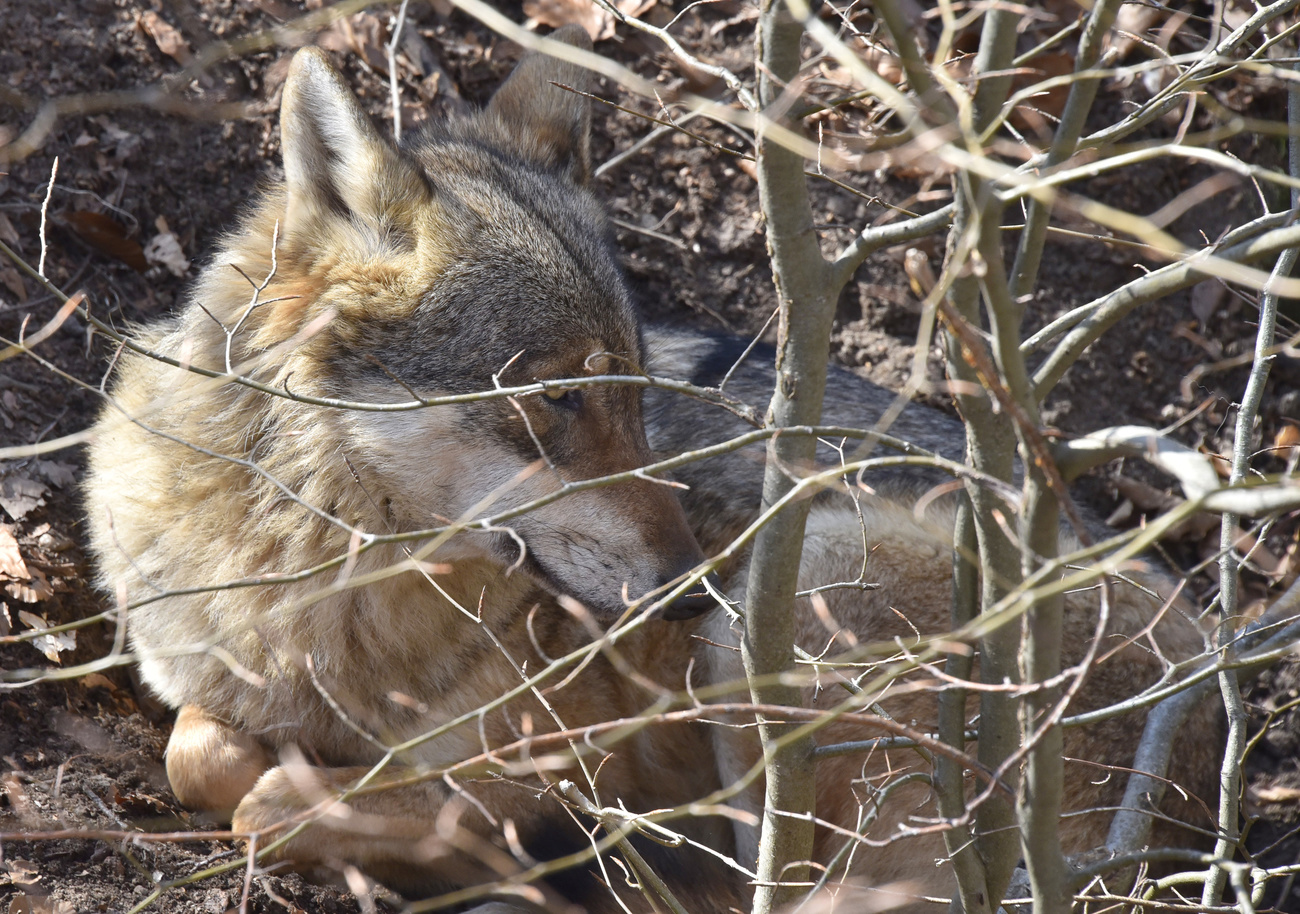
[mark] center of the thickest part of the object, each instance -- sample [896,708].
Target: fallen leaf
[1222,465]
[165,251]
[1206,298]
[109,237]
[51,644]
[39,904]
[598,23]
[59,474]
[1277,794]
[12,280]
[31,591]
[1039,112]
[11,560]
[168,38]
[140,804]
[97,681]
[20,496]
[8,234]
[362,34]
[22,872]
[1288,436]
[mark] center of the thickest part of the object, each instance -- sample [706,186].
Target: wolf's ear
[546,123]
[335,162]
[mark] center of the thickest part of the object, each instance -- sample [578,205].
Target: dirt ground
[84,755]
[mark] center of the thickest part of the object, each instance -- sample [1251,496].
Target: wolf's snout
[694,602]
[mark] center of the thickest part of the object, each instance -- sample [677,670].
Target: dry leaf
[140,804]
[598,23]
[1131,25]
[97,681]
[8,234]
[1277,794]
[168,38]
[164,250]
[50,645]
[19,496]
[1037,113]
[1288,436]
[1206,298]
[58,474]
[12,280]
[22,872]
[31,591]
[109,237]
[11,560]
[1222,465]
[39,904]
[363,34]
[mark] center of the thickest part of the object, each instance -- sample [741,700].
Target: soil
[83,755]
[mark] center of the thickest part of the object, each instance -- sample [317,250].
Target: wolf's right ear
[335,162]
[545,123]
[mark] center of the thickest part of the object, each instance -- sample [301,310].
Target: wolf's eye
[567,397]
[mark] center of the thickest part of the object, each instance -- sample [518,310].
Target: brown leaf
[140,804]
[97,681]
[19,496]
[51,644]
[168,38]
[368,39]
[8,234]
[1037,114]
[109,237]
[39,904]
[59,474]
[11,560]
[1287,436]
[1206,298]
[12,280]
[1277,794]
[22,872]
[33,591]
[598,23]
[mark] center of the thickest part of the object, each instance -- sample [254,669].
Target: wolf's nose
[692,603]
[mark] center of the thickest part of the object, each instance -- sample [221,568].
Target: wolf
[401,696]
[474,256]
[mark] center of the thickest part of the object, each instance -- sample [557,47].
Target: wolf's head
[474,255]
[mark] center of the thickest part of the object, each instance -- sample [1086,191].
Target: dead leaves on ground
[25,875]
[166,36]
[597,20]
[31,568]
[106,235]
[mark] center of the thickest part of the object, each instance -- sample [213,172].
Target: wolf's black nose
[692,603]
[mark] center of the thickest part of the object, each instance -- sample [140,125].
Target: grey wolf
[474,255]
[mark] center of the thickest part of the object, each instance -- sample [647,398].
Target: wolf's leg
[414,837]
[210,764]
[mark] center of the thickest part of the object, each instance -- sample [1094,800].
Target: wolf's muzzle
[692,603]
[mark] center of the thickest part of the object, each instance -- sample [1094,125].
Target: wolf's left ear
[546,123]
[335,162]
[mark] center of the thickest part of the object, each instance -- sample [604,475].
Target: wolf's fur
[472,255]
[434,268]
[908,562]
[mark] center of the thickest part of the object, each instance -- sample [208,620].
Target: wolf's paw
[210,764]
[382,833]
